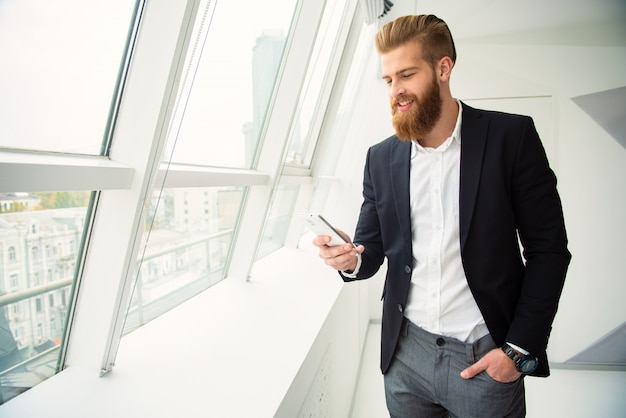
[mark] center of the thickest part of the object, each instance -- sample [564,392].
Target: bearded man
[447,201]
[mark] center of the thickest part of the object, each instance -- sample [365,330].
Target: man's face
[413,91]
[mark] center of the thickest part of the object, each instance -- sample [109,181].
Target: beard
[420,119]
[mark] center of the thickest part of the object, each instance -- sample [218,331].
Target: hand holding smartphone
[321,226]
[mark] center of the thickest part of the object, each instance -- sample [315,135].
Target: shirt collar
[456,133]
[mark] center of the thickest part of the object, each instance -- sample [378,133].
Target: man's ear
[444,68]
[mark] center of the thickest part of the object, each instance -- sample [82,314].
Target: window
[184,254]
[225,111]
[313,99]
[65,60]
[217,122]
[34,355]
[344,116]
[364,60]
[14,281]
[60,79]
[278,219]
[154,245]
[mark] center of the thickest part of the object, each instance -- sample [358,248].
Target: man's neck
[444,127]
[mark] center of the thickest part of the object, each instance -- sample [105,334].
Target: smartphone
[321,226]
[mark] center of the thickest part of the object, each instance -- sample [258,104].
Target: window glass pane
[188,239]
[60,64]
[278,218]
[301,138]
[233,84]
[40,245]
[364,62]
[347,118]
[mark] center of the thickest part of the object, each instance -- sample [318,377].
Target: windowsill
[231,351]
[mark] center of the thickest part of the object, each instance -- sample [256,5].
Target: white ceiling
[577,22]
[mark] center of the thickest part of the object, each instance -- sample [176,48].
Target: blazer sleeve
[368,230]
[541,229]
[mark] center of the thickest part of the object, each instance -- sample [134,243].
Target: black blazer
[507,190]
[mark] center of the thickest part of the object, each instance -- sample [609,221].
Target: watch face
[528,365]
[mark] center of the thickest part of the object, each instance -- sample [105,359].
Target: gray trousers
[424,379]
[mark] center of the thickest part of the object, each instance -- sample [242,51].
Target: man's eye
[407,75]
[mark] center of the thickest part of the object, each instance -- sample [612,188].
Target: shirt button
[407,269]
[400,308]
[441,342]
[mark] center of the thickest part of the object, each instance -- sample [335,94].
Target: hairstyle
[429,31]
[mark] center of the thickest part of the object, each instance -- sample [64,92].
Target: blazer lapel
[399,173]
[473,140]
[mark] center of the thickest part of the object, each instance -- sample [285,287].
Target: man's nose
[396,89]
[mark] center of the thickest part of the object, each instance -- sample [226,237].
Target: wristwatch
[525,363]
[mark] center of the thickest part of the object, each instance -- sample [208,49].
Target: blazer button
[407,269]
[400,308]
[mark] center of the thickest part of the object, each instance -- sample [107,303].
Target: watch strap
[520,358]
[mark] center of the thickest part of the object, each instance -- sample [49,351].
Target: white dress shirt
[440,300]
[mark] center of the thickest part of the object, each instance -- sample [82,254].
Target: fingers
[496,364]
[339,257]
[321,240]
[343,262]
[473,370]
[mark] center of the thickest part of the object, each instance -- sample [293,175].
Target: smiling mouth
[403,105]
